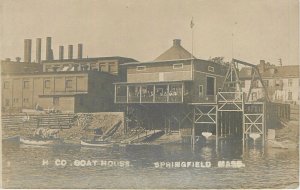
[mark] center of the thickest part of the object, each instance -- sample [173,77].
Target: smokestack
[70,52]
[38,52]
[79,51]
[61,52]
[27,50]
[48,49]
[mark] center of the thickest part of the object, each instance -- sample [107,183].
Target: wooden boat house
[159,93]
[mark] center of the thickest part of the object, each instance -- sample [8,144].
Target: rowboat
[40,142]
[96,143]
[11,139]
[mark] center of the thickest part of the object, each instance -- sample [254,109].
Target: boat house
[159,94]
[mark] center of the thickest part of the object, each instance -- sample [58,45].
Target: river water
[72,166]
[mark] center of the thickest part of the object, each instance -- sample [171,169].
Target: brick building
[70,85]
[85,91]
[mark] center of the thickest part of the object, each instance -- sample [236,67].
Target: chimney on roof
[176,42]
[49,55]
[38,50]
[61,52]
[80,51]
[262,66]
[70,52]
[27,50]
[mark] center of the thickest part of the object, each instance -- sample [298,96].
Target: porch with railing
[149,93]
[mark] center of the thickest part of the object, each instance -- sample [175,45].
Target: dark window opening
[69,84]
[6,85]
[47,83]
[55,101]
[26,84]
[210,86]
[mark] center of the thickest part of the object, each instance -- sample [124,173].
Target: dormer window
[141,68]
[178,66]
[211,69]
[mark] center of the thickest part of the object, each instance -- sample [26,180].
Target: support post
[193,131]
[217,128]
[154,92]
[127,92]
[140,94]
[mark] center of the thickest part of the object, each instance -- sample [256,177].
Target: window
[290,82]
[242,84]
[290,96]
[69,83]
[6,102]
[6,85]
[211,69]
[25,84]
[266,83]
[200,90]
[26,100]
[16,100]
[255,84]
[210,86]
[55,101]
[111,67]
[278,83]
[102,67]
[141,68]
[47,83]
[178,66]
[254,96]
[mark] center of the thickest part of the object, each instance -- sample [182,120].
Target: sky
[143,29]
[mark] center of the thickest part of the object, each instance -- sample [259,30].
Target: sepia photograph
[149,94]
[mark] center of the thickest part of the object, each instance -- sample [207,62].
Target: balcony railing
[149,93]
[153,99]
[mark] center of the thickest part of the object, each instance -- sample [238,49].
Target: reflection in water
[270,168]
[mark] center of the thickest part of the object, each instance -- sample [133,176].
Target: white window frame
[202,91]
[290,82]
[266,83]
[140,68]
[211,69]
[178,64]
[6,84]
[69,83]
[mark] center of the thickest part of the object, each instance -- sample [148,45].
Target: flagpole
[192,55]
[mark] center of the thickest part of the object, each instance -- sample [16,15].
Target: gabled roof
[175,52]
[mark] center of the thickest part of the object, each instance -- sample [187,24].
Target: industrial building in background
[65,84]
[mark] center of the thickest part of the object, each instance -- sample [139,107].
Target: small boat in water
[96,143]
[11,139]
[40,142]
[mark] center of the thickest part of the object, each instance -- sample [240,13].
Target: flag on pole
[192,23]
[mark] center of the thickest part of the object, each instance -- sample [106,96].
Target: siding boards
[155,72]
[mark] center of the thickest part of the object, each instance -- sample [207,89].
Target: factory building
[85,91]
[68,85]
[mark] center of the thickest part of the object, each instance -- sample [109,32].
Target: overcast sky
[249,30]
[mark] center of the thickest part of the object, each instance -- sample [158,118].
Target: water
[268,168]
